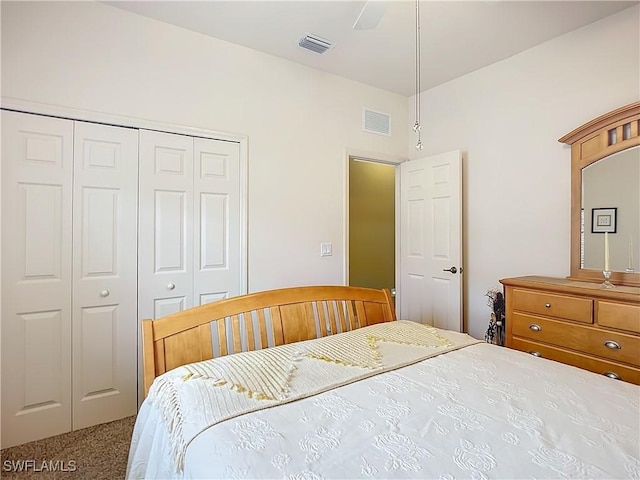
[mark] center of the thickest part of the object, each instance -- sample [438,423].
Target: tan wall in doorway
[371,224]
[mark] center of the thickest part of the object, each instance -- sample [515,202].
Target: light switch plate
[325,249]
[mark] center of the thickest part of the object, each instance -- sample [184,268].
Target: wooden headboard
[258,320]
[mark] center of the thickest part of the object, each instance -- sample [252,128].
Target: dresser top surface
[575,287]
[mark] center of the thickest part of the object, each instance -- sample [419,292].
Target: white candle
[606,251]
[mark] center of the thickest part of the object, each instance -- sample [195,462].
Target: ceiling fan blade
[370,15]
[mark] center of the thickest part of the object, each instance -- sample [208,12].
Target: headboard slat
[373,312]
[235,332]
[276,325]
[248,324]
[222,337]
[295,325]
[361,313]
[262,326]
[311,318]
[206,347]
[339,305]
[351,316]
[332,317]
[322,319]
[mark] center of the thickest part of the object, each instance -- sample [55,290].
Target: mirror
[605,196]
[611,203]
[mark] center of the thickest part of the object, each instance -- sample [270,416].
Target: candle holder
[607,276]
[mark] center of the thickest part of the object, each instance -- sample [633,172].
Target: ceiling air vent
[376,122]
[315,43]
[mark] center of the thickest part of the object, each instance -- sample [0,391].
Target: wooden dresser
[577,323]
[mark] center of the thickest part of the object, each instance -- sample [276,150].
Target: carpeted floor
[98,452]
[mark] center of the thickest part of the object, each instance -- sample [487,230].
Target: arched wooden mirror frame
[610,133]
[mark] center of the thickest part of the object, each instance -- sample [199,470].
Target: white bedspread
[478,412]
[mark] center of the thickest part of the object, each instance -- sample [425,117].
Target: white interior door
[37,163]
[217,242]
[105,323]
[165,252]
[431,241]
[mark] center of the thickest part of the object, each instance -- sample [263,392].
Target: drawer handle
[612,345]
[547,305]
[171,286]
[104,293]
[535,354]
[613,375]
[535,328]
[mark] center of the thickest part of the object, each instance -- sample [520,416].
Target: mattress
[475,411]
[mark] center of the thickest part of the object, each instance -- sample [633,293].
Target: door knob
[452,270]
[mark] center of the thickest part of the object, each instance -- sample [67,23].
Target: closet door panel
[217,214]
[169,231]
[105,274]
[165,277]
[35,328]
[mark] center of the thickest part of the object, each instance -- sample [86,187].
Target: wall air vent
[315,43]
[376,122]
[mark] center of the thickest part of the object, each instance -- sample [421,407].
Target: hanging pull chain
[416,126]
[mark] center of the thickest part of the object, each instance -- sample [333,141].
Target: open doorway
[371,224]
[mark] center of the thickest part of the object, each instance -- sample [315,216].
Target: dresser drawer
[623,316]
[615,370]
[593,341]
[559,306]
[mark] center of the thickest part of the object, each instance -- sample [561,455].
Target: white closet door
[37,162]
[165,258]
[104,273]
[217,239]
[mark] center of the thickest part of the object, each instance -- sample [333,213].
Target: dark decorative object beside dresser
[495,330]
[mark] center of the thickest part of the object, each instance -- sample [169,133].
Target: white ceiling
[458,37]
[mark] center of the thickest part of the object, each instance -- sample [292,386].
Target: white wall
[506,118]
[300,122]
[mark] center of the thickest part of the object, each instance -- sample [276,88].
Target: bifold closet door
[217,242]
[165,259]
[37,163]
[69,248]
[105,326]
[190,222]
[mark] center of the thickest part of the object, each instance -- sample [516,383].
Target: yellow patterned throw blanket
[195,397]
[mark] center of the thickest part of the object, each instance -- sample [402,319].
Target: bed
[325,382]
